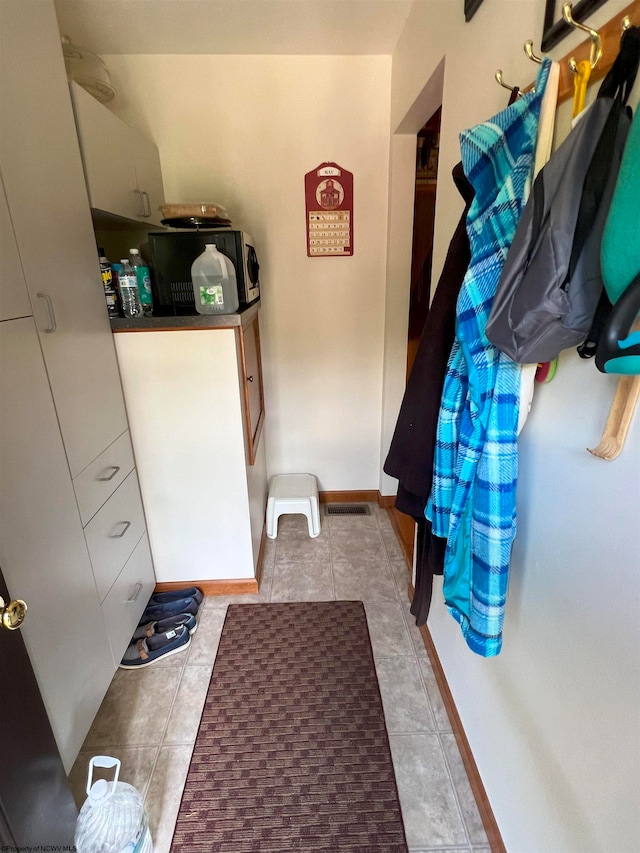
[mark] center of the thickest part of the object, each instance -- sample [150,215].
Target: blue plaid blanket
[472,502]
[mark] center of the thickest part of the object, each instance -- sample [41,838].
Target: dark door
[36,804]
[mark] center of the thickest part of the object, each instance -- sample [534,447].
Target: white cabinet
[95,485]
[43,552]
[122,606]
[14,298]
[47,197]
[65,455]
[121,166]
[195,427]
[113,533]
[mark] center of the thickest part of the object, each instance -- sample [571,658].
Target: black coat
[410,457]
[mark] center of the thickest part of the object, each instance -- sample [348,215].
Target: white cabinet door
[106,156]
[14,299]
[128,598]
[148,176]
[185,414]
[122,167]
[47,197]
[42,547]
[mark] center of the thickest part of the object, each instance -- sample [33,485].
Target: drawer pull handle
[135,595]
[143,211]
[114,470]
[127,525]
[52,317]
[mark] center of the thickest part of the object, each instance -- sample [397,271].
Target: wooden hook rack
[610,33]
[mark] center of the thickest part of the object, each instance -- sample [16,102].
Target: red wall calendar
[328,192]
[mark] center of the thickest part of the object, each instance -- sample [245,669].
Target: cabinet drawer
[95,485]
[113,533]
[128,597]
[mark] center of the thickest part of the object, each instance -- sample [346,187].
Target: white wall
[553,721]
[243,131]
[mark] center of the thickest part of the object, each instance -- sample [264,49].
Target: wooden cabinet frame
[250,365]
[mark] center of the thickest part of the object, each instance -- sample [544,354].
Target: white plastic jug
[214,282]
[112,818]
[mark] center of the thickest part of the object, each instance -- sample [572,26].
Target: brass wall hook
[625,23]
[528,49]
[498,76]
[594,35]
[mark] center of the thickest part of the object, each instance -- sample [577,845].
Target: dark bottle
[110,294]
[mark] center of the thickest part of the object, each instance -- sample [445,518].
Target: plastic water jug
[214,282]
[112,819]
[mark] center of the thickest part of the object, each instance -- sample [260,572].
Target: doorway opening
[424,209]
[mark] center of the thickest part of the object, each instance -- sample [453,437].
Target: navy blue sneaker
[155,612]
[150,650]
[164,625]
[175,594]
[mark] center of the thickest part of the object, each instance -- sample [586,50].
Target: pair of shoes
[161,605]
[165,627]
[175,594]
[161,626]
[151,649]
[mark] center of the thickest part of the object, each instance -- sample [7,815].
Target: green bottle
[143,278]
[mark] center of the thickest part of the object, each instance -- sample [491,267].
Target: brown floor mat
[292,753]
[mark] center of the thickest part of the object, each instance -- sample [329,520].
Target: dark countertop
[189,322]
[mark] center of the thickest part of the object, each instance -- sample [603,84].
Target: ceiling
[311,27]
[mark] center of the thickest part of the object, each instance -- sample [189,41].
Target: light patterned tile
[414,631]
[204,643]
[266,576]
[401,575]
[435,696]
[389,636]
[405,701]
[442,850]
[294,523]
[356,545]
[223,601]
[304,581]
[136,766]
[165,792]
[470,814]
[394,550]
[187,707]
[382,514]
[135,709]
[429,808]
[351,523]
[363,580]
[301,548]
[269,554]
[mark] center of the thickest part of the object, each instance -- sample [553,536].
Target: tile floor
[149,719]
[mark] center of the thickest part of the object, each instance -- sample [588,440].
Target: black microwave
[173,253]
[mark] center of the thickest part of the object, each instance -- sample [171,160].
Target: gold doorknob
[12,615]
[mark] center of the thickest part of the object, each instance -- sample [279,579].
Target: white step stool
[290,494]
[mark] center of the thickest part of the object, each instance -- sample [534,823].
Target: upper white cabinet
[121,166]
[47,196]
[14,298]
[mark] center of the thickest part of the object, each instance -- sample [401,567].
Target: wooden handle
[619,420]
